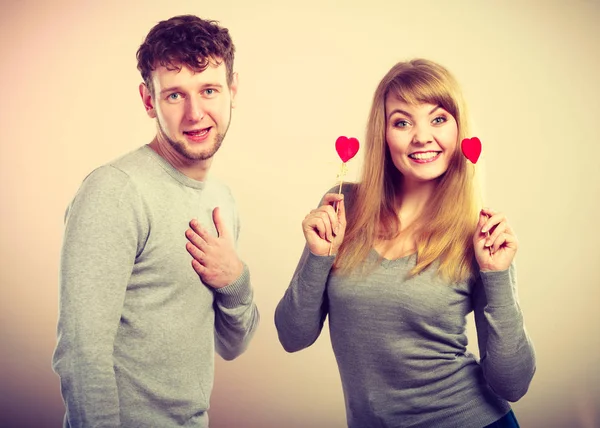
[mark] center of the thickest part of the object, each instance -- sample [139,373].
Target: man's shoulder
[219,189]
[131,162]
[114,174]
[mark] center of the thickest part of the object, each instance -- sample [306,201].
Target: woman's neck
[413,198]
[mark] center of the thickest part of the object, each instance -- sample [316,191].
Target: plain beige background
[529,70]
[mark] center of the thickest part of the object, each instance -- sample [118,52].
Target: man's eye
[174,97]
[209,91]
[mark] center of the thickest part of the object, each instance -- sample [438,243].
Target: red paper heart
[346,148]
[471,148]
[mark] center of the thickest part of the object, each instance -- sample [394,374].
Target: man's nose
[194,110]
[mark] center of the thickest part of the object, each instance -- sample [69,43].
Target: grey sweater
[400,343]
[137,328]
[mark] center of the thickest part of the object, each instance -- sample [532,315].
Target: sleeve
[99,249]
[300,314]
[506,353]
[236,314]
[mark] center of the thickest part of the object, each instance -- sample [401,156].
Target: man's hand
[214,258]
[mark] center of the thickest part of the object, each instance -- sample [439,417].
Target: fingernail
[484,230]
[488,243]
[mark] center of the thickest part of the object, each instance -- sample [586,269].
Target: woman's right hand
[323,226]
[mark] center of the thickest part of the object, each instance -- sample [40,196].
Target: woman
[414,257]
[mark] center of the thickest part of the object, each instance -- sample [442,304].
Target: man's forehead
[179,71]
[214,62]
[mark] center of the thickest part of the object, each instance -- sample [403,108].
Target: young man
[138,323]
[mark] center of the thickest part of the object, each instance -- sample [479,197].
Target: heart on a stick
[471,148]
[346,148]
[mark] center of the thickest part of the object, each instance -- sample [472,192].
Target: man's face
[193,110]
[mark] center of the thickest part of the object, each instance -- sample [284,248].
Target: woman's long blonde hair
[444,232]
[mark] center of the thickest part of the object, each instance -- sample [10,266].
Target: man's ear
[147,100]
[233,89]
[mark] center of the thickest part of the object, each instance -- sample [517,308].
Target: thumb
[480,237]
[342,213]
[482,219]
[219,224]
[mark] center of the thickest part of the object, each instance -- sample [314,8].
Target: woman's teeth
[423,156]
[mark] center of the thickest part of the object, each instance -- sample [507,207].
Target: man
[138,326]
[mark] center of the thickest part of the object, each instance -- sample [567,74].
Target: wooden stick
[337,204]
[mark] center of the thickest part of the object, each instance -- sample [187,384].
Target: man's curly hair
[185,40]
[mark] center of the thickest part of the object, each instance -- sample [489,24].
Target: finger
[198,268]
[488,212]
[479,236]
[482,219]
[505,241]
[201,231]
[195,225]
[219,223]
[195,239]
[332,218]
[498,243]
[341,217]
[493,221]
[195,252]
[497,231]
[324,227]
[331,198]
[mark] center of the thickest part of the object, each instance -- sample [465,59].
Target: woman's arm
[506,353]
[301,312]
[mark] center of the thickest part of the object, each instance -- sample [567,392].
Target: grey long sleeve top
[137,328]
[400,343]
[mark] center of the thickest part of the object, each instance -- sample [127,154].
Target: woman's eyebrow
[397,110]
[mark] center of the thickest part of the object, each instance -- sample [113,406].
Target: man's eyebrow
[171,89]
[179,89]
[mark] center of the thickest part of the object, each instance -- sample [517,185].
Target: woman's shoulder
[348,190]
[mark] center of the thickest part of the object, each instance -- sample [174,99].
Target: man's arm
[99,249]
[236,317]
[216,262]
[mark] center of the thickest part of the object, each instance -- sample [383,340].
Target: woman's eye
[440,119]
[401,123]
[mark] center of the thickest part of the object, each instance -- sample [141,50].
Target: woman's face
[422,139]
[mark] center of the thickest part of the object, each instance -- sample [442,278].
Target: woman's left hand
[496,251]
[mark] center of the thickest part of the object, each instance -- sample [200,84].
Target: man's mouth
[197,132]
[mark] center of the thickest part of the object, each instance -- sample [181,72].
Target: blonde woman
[412,255]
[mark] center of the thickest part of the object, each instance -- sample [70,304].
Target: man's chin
[196,155]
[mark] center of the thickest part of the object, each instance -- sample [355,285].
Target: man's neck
[194,169]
